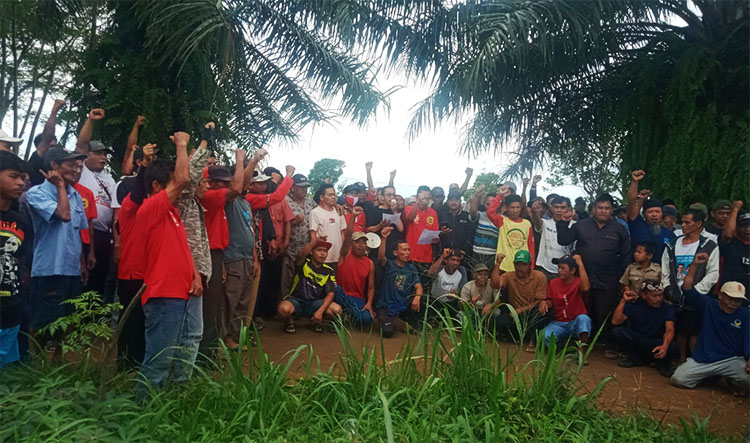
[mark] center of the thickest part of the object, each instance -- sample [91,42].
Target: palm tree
[667,78]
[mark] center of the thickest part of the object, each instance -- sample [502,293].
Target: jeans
[9,345]
[565,329]
[164,318]
[353,306]
[190,340]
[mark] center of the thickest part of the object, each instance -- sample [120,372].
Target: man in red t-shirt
[355,273]
[418,218]
[87,236]
[170,277]
[566,295]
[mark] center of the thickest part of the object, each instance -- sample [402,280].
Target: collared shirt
[462,230]
[641,232]
[524,293]
[57,244]
[193,215]
[605,251]
[300,235]
[635,275]
[103,186]
[241,233]
[486,296]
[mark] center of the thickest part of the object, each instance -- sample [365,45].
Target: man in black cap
[438,197]
[580,208]
[103,186]
[734,247]
[646,227]
[669,217]
[720,213]
[456,230]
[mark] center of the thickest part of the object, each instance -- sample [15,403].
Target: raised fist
[289,170]
[499,258]
[386,231]
[469,171]
[700,258]
[180,138]
[368,165]
[737,204]
[644,194]
[637,175]
[239,156]
[140,120]
[357,211]
[537,179]
[526,181]
[96,114]
[58,104]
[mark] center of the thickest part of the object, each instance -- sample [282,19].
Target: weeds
[452,386]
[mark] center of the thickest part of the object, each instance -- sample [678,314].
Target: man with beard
[647,227]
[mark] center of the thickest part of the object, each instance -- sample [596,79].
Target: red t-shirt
[351,275]
[216,219]
[426,219]
[566,299]
[89,207]
[280,213]
[360,223]
[168,263]
[131,265]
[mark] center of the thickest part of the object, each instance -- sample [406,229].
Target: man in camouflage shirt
[301,206]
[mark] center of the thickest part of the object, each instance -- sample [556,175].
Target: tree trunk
[38,114]
[15,71]
[35,79]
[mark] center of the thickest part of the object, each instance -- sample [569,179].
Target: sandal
[289,328]
[317,328]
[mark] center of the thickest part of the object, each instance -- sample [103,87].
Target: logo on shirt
[430,220]
[737,323]
[332,221]
[85,203]
[516,238]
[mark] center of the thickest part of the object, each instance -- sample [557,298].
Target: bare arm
[585,283]
[370,184]
[412,212]
[381,250]
[474,203]
[238,179]
[127,161]
[371,285]
[48,133]
[63,204]
[495,275]
[181,168]
[634,204]
[84,137]
[437,264]
[251,165]
[393,177]
[619,317]
[465,184]
[731,225]
[347,243]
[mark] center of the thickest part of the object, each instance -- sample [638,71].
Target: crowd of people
[207,248]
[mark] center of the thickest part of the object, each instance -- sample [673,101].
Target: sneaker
[666,370]
[630,363]
[258,323]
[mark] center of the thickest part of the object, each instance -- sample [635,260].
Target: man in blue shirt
[723,347]
[57,215]
[647,227]
[401,291]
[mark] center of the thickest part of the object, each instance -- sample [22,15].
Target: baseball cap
[220,173]
[699,206]
[511,185]
[652,203]
[96,145]
[322,243]
[668,210]
[5,137]
[743,218]
[59,155]
[733,289]
[522,257]
[437,191]
[359,186]
[260,177]
[722,205]
[300,180]
[358,236]
[565,259]
[481,267]
[652,285]
[9,160]
[454,194]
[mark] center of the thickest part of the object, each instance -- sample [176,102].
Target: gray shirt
[241,234]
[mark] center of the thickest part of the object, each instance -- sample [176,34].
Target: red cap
[205,172]
[322,243]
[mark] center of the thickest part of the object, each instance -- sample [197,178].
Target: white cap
[4,137]
[733,289]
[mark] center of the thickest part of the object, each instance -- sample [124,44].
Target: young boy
[565,295]
[15,230]
[641,270]
[515,233]
[313,288]
[400,282]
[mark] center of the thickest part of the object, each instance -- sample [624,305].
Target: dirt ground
[630,389]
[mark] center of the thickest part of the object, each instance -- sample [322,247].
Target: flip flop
[289,328]
[317,328]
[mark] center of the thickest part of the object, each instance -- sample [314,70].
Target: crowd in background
[218,247]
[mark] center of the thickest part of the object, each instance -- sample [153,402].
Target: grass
[454,386]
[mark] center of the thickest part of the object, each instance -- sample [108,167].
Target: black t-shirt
[125,187]
[462,230]
[735,263]
[15,249]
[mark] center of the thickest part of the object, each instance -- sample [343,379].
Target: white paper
[427,236]
[392,218]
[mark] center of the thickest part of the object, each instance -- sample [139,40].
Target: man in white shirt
[549,248]
[103,186]
[327,224]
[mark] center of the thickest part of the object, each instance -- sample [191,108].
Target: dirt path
[630,389]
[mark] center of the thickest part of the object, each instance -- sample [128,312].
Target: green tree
[490,180]
[560,76]
[325,170]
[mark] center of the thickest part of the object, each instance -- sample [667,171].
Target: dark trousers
[213,294]
[387,321]
[600,304]
[269,292]
[530,323]
[131,345]
[638,346]
[103,246]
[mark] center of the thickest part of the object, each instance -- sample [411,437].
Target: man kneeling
[650,328]
[312,290]
[723,347]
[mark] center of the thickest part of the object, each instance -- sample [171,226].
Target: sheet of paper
[391,218]
[427,236]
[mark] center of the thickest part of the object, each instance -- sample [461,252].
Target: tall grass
[451,386]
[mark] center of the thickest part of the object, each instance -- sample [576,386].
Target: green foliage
[442,387]
[87,325]
[325,169]
[490,180]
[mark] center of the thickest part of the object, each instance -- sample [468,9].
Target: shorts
[9,345]
[304,308]
[47,295]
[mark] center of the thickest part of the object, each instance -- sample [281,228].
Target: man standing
[455,227]
[723,347]
[301,206]
[549,248]
[604,247]
[647,227]
[648,335]
[327,224]
[103,186]
[734,248]
[515,233]
[485,232]
[57,215]
[419,218]
[15,248]
[580,209]
[720,214]
[678,258]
